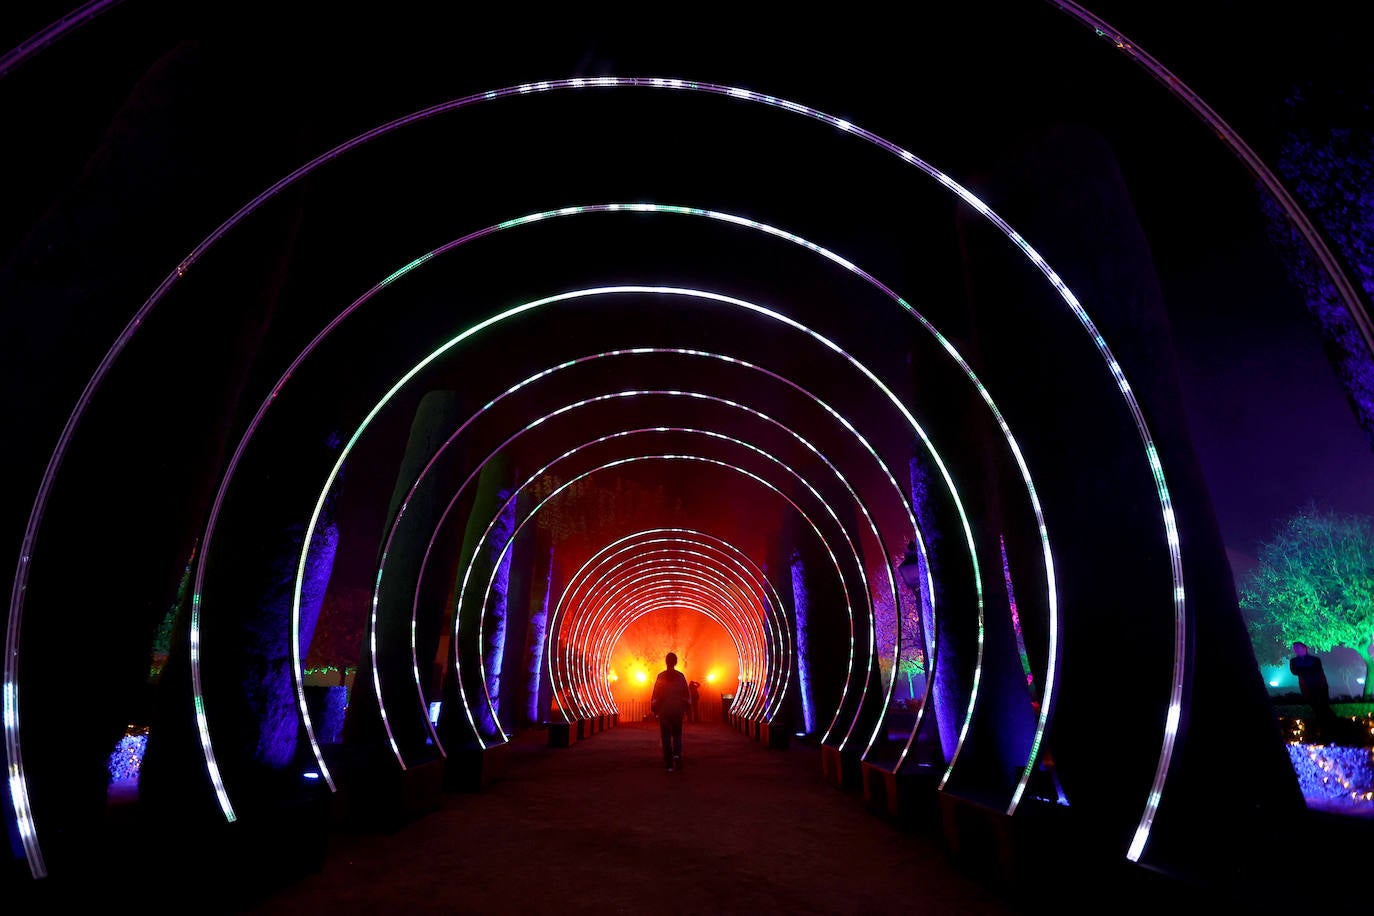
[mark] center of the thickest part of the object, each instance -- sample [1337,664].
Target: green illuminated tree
[1314,583]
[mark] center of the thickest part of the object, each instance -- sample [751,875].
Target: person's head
[670,659]
[1299,648]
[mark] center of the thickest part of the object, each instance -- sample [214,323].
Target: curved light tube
[18,784]
[590,589]
[858,562]
[694,538]
[490,405]
[857,500]
[572,296]
[647,551]
[372,626]
[650,573]
[609,599]
[675,589]
[756,478]
[1353,303]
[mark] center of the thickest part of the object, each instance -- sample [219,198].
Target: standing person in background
[1307,668]
[671,699]
[694,688]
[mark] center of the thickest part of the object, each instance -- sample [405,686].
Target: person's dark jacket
[1311,677]
[671,696]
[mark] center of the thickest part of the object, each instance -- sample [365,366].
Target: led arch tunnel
[748,586]
[541,421]
[966,722]
[943,342]
[599,607]
[18,788]
[765,311]
[676,586]
[617,396]
[807,518]
[597,618]
[759,607]
[886,570]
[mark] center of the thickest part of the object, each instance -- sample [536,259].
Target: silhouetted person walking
[671,699]
[1307,668]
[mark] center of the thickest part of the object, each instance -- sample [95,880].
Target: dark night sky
[1271,424]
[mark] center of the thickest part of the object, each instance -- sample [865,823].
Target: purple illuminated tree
[1314,583]
[1326,160]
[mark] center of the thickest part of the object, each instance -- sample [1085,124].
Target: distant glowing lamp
[710,678]
[612,677]
[1274,682]
[641,676]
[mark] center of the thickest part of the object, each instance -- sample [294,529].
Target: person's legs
[665,731]
[677,740]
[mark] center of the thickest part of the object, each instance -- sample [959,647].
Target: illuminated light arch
[692,538]
[603,398]
[733,578]
[608,600]
[858,562]
[642,290]
[680,602]
[579,592]
[888,570]
[901,495]
[854,496]
[673,589]
[1347,290]
[1051,679]
[372,625]
[552,622]
[676,457]
[18,784]
[651,572]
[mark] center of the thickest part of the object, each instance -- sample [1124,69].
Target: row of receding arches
[830,463]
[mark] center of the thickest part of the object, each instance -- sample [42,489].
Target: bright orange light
[710,677]
[612,677]
[641,676]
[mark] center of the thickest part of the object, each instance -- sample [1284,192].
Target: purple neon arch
[694,538]
[538,422]
[671,593]
[18,783]
[857,500]
[615,436]
[901,496]
[571,295]
[855,497]
[703,585]
[749,590]
[606,597]
[766,484]
[732,602]
[432,461]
